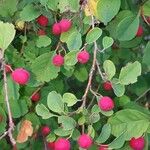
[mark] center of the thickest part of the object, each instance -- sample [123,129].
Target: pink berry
[36,97]
[65,25]
[137,143]
[42,20]
[45,130]
[20,76]
[62,144]
[58,60]
[41,32]
[8,68]
[106,103]
[85,141]
[83,57]
[107,86]
[139,31]
[103,147]
[51,145]
[56,30]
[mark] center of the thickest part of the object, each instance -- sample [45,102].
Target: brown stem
[11,123]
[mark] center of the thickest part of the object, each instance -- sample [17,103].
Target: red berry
[58,60]
[107,86]
[83,57]
[137,143]
[20,76]
[51,145]
[41,32]
[62,144]
[65,25]
[106,103]
[139,31]
[85,141]
[8,68]
[45,130]
[36,97]
[103,147]
[56,30]
[42,20]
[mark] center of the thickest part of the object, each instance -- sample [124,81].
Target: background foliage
[123,58]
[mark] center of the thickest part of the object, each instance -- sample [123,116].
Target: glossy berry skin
[83,57]
[107,86]
[20,76]
[58,60]
[41,32]
[51,145]
[85,141]
[137,143]
[8,68]
[42,21]
[65,25]
[139,31]
[103,147]
[56,30]
[62,144]
[36,97]
[106,103]
[45,130]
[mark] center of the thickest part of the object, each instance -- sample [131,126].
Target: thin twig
[37,90]
[99,71]
[3,135]
[11,123]
[142,95]
[84,98]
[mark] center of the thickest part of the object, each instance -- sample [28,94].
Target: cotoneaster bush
[75,74]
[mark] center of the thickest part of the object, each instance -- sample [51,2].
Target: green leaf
[42,111]
[118,142]
[29,13]
[43,68]
[68,5]
[62,133]
[3,120]
[109,68]
[118,88]
[68,123]
[107,10]
[105,134]
[93,35]
[74,41]
[127,28]
[65,35]
[107,42]
[122,101]
[7,34]
[129,73]
[71,58]
[43,41]
[94,117]
[55,102]
[70,99]
[13,89]
[91,131]
[146,8]
[52,4]
[7,10]
[81,73]
[134,122]
[146,57]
